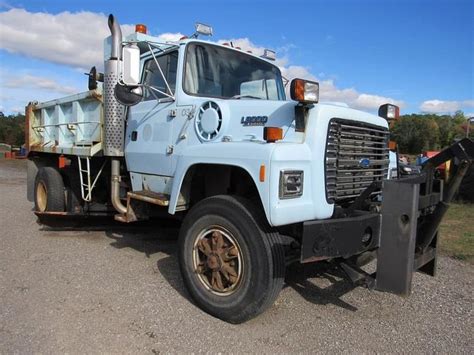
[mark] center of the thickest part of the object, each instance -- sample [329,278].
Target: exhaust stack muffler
[114,114]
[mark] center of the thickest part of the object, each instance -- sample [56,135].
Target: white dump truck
[205,132]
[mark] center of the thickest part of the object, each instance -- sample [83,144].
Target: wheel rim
[217,261]
[41,196]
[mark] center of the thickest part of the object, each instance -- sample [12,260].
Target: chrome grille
[356,155]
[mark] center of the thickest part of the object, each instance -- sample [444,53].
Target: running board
[138,205]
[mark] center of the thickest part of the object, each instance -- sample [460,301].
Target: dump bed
[70,125]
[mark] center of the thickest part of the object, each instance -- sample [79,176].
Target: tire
[49,191]
[257,267]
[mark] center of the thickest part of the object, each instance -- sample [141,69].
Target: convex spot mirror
[128,95]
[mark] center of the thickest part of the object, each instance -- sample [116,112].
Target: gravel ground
[118,289]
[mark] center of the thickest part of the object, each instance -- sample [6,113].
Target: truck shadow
[304,279]
[160,237]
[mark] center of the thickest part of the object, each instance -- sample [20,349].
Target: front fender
[247,155]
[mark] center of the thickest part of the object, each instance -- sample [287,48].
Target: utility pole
[469,120]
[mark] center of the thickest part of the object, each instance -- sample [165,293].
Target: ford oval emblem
[364,163]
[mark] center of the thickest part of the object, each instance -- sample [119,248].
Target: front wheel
[232,263]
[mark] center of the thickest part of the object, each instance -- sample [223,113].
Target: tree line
[416,133]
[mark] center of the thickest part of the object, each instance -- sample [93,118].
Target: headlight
[406,169]
[304,91]
[291,184]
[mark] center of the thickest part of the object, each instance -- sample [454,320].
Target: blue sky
[417,53]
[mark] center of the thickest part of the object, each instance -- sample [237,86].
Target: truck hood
[244,119]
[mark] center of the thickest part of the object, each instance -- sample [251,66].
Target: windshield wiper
[238,97]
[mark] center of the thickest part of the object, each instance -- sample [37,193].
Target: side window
[152,76]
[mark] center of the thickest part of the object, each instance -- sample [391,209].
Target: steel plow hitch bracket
[412,210]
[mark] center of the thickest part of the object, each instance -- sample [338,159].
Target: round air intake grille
[208,121]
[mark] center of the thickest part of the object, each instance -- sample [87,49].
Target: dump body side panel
[71,125]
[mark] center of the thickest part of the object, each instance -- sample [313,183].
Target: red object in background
[442,168]
[430,154]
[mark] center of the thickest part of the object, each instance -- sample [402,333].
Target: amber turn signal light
[272,134]
[140,28]
[262,173]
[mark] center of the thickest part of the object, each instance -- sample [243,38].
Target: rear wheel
[232,263]
[49,191]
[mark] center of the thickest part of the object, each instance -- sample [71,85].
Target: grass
[457,232]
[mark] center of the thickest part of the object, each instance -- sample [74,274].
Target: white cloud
[38,82]
[330,92]
[243,43]
[170,37]
[442,106]
[76,40]
[73,39]
[18,109]
[374,101]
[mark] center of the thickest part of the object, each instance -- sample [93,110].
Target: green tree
[416,133]
[12,129]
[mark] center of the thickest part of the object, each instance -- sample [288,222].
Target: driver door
[148,144]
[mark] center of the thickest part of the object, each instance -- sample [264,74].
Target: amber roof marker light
[140,28]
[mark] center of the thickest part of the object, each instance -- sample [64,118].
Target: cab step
[137,205]
[150,197]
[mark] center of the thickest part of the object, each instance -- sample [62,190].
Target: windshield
[222,72]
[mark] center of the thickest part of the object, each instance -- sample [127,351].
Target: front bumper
[405,232]
[341,237]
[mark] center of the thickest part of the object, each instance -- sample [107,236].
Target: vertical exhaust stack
[114,111]
[114,114]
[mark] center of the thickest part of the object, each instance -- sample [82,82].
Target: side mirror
[131,64]
[129,92]
[94,77]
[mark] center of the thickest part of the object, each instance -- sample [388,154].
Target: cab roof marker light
[269,54]
[203,29]
[141,28]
